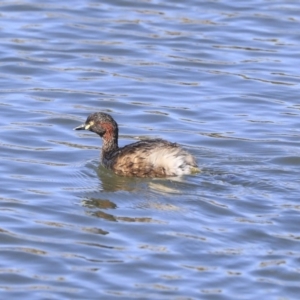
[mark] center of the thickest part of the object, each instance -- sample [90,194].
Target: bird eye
[87,126]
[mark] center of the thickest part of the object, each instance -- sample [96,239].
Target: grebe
[146,158]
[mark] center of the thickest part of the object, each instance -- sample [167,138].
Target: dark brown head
[102,124]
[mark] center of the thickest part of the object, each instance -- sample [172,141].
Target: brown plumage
[147,158]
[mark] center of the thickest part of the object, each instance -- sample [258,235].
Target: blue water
[220,78]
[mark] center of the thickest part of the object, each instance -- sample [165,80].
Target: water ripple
[221,79]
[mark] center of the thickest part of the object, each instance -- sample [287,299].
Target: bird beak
[82,127]
[85,126]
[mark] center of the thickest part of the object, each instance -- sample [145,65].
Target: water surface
[221,78]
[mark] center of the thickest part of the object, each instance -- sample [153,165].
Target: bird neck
[110,142]
[109,145]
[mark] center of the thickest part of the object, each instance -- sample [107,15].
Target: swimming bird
[146,158]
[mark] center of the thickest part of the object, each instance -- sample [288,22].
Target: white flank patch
[175,161]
